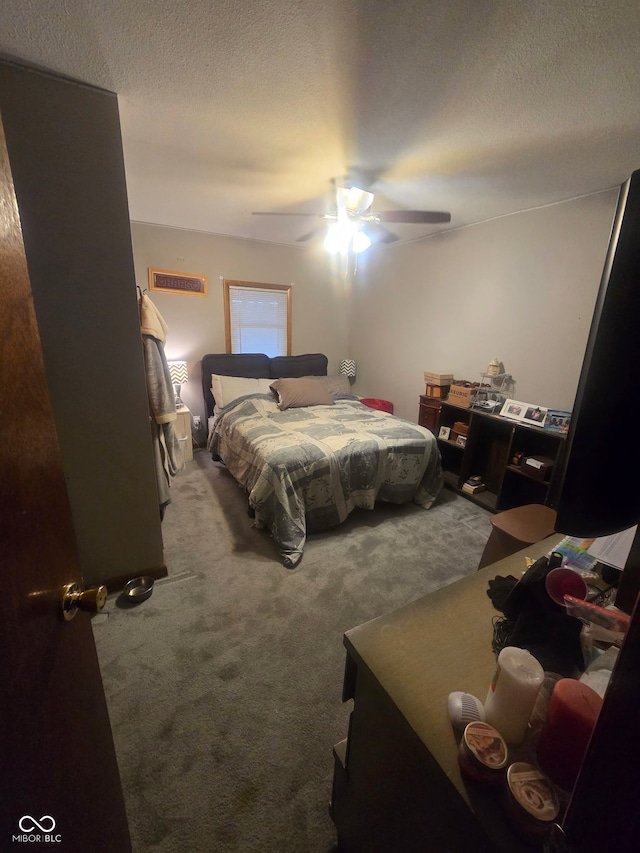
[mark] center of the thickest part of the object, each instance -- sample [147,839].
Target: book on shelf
[473,488]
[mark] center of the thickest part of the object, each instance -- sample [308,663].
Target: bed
[306,450]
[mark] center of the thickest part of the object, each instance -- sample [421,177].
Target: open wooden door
[60,785]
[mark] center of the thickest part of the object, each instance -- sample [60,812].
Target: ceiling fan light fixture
[343,236]
[360,242]
[357,200]
[338,238]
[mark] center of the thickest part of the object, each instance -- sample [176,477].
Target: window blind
[258,319]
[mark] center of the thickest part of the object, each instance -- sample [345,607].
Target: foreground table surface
[397,783]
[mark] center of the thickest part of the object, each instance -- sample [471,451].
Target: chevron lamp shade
[348,367]
[179,375]
[178,372]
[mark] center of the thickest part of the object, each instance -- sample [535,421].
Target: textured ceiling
[478,107]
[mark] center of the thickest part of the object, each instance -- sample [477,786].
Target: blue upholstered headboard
[258,366]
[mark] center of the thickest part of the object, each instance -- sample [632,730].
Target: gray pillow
[338,384]
[303,391]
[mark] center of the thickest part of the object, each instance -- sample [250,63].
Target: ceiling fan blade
[287,213]
[379,234]
[416,217]
[310,235]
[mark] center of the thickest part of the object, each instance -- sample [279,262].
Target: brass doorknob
[74,598]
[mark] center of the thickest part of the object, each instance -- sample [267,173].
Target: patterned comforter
[306,469]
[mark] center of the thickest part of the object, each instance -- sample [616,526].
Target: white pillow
[226,389]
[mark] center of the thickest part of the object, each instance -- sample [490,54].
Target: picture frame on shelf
[461,441]
[444,433]
[524,413]
[535,415]
[557,420]
[513,409]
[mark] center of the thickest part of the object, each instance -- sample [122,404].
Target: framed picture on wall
[169,281]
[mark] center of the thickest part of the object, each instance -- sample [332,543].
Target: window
[257,317]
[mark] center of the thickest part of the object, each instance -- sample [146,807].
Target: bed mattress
[306,469]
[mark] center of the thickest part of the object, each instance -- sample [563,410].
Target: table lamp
[179,375]
[348,367]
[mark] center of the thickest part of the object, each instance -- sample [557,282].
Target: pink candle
[572,714]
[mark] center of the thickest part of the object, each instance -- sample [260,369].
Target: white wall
[521,288]
[196,324]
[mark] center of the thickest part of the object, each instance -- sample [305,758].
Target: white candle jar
[513,692]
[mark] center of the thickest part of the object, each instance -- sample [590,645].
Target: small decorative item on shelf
[489,405]
[538,467]
[459,430]
[495,368]
[494,383]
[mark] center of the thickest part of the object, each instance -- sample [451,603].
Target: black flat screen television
[600,492]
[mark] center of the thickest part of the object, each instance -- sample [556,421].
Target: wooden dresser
[397,786]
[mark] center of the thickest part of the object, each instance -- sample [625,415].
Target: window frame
[254,285]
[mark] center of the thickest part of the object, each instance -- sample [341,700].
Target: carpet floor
[224,687]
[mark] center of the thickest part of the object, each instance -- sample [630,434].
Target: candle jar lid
[532,799]
[483,752]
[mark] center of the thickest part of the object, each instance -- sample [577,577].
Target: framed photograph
[524,413]
[461,440]
[534,415]
[445,432]
[513,409]
[557,421]
[169,281]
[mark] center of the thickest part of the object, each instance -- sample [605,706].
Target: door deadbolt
[74,598]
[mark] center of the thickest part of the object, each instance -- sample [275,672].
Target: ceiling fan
[354,214]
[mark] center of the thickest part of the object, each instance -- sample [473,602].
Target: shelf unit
[491,445]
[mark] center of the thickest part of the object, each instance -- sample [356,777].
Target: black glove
[499,589]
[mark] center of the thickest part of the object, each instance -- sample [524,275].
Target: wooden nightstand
[429,412]
[183,428]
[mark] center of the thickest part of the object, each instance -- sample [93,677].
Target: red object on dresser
[573,710]
[381,405]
